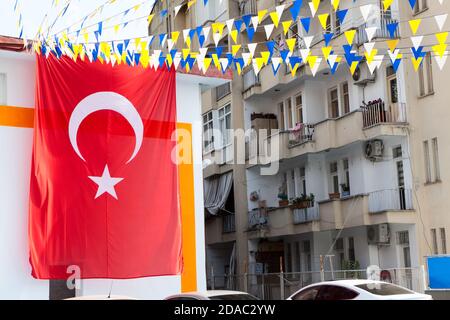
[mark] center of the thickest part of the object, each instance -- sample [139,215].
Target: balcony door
[392,91]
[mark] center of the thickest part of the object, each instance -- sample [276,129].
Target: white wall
[15,159]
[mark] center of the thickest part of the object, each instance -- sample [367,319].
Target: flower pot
[335,195]
[283,203]
[302,204]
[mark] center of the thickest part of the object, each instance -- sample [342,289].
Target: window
[345,97]
[339,248]
[2,89]
[426,154]
[281,112]
[302,182]
[337,22]
[397,152]
[288,263]
[403,237]
[334,103]
[334,177]
[296,255]
[307,294]
[208,139]
[425,73]
[420,6]
[346,176]
[383,289]
[290,123]
[443,241]
[222,91]
[437,173]
[434,240]
[351,249]
[328,25]
[299,108]
[328,292]
[225,124]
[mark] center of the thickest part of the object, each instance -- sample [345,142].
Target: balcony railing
[249,7]
[302,133]
[382,30]
[392,199]
[257,218]
[306,215]
[228,223]
[251,80]
[377,113]
[223,90]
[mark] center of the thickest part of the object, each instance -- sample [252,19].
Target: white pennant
[170,44]
[246,56]
[440,20]
[206,31]
[393,55]
[375,64]
[255,67]
[276,61]
[441,60]
[229,24]
[203,51]
[365,11]
[416,41]
[369,46]
[304,53]
[177,60]
[308,40]
[280,10]
[252,48]
[224,63]
[186,34]
[371,32]
[332,59]
[313,10]
[315,67]
[177,9]
[269,28]
[255,21]
[440,1]
[217,37]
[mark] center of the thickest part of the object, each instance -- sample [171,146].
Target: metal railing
[392,199]
[222,91]
[306,214]
[248,7]
[257,218]
[303,134]
[377,112]
[279,286]
[382,30]
[251,80]
[228,223]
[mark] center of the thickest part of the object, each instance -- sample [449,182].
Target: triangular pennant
[350,36]
[442,37]
[335,4]
[286,25]
[291,44]
[252,48]
[295,9]
[440,20]
[340,14]
[275,18]
[440,61]
[392,44]
[308,40]
[327,37]
[230,24]
[387,4]
[268,29]
[416,41]
[306,22]
[368,46]
[276,62]
[323,20]
[255,22]
[412,3]
[392,28]
[370,32]
[414,25]
[234,34]
[261,14]
[365,11]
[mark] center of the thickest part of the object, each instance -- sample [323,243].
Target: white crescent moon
[106,101]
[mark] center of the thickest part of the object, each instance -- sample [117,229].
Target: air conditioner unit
[378,234]
[362,75]
[374,150]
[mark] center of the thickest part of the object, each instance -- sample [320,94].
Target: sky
[34,11]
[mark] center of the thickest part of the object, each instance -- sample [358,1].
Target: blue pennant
[238,25]
[327,37]
[219,51]
[173,52]
[276,70]
[192,34]
[120,48]
[199,30]
[161,38]
[126,43]
[334,68]
[240,62]
[295,9]
[418,53]
[294,60]
[100,28]
[137,57]
[201,40]
[164,12]
[190,61]
[284,54]
[250,33]
[162,61]
[270,46]
[412,3]
[247,18]
[205,2]
[341,15]
[392,27]
[396,64]
[306,22]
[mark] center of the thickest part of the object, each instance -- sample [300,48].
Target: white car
[213,295]
[100,297]
[356,290]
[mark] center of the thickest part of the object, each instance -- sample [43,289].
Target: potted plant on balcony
[303,202]
[282,196]
[334,195]
[345,189]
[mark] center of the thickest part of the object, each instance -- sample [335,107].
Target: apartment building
[359,181]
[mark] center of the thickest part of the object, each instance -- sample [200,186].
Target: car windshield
[383,289]
[234,297]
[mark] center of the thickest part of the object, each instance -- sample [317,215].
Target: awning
[216,192]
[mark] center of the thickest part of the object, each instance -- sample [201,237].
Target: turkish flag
[104,188]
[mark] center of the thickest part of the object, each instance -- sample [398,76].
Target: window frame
[426,154]
[436,166]
[222,121]
[208,134]
[330,103]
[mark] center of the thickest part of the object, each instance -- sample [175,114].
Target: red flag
[104,189]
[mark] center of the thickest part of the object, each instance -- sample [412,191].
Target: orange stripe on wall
[186,174]
[24,118]
[16,117]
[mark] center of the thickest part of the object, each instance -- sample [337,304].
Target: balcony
[377,113]
[390,200]
[228,223]
[306,215]
[251,82]
[222,91]
[382,31]
[219,229]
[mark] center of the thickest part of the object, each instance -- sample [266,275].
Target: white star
[106,183]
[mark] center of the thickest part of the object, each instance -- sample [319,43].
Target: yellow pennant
[275,18]
[259,62]
[185,52]
[316,4]
[414,25]
[294,69]
[387,4]
[150,18]
[335,4]
[136,7]
[440,49]
[326,51]
[416,62]
[86,37]
[116,28]
[188,41]
[370,56]
[442,37]
[353,67]
[350,36]
[323,20]
[175,36]
[261,14]
[145,58]
[265,55]
[235,48]
[206,64]
[190,4]
[291,44]
[216,61]
[312,61]
[392,44]
[234,34]
[217,27]
[286,25]
[137,41]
